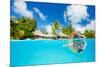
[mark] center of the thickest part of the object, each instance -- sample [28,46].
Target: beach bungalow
[39,35]
[61,35]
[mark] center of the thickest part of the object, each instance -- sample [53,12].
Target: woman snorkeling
[77,43]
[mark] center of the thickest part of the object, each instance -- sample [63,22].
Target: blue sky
[46,13]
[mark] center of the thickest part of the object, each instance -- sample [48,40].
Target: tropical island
[26,28]
[32,21]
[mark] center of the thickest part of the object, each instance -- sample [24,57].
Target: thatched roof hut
[50,35]
[38,32]
[62,34]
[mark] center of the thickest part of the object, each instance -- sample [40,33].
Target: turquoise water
[36,52]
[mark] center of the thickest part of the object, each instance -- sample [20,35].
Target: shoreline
[48,39]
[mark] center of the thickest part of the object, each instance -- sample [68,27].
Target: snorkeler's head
[75,33]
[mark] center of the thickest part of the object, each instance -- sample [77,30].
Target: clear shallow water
[36,52]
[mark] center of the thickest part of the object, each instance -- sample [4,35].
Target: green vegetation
[22,28]
[68,30]
[89,34]
[55,26]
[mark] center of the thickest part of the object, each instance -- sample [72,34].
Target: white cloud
[65,16]
[80,28]
[20,7]
[91,25]
[48,29]
[41,15]
[75,13]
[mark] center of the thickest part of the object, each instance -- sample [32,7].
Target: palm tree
[55,26]
[23,28]
[68,30]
